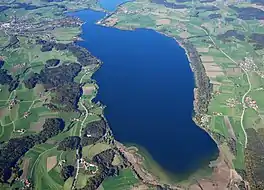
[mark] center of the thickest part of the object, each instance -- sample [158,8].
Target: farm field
[124,181]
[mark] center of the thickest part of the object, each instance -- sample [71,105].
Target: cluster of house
[251,103]
[231,102]
[88,166]
[12,103]
[248,65]
[26,183]
[217,113]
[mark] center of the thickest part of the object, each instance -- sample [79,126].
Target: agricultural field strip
[33,102]
[249,89]
[32,169]
[8,98]
[80,134]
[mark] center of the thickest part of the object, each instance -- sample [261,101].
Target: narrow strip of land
[80,134]
[31,173]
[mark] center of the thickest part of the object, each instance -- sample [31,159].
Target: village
[251,103]
[26,26]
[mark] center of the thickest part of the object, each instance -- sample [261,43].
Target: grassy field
[91,150]
[124,181]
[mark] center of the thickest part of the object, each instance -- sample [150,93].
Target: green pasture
[124,181]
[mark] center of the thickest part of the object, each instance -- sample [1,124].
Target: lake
[111,5]
[147,85]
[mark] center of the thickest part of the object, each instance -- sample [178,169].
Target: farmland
[125,180]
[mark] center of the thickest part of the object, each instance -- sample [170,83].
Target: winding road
[80,134]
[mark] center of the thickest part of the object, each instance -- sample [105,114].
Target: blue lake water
[147,85]
[111,5]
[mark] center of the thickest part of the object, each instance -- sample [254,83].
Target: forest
[104,162]
[202,80]
[14,149]
[69,143]
[93,132]
[60,81]
[84,57]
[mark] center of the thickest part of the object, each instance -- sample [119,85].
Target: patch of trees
[171,5]
[14,84]
[53,77]
[84,57]
[229,19]
[202,80]
[52,0]
[67,172]
[64,74]
[93,132]
[2,62]
[26,6]
[105,169]
[231,143]
[60,81]
[254,159]
[52,62]
[5,78]
[258,39]
[214,16]
[218,137]
[248,13]
[105,158]
[15,148]
[165,187]
[66,97]
[208,8]
[31,82]
[3,8]
[206,1]
[60,46]
[51,127]
[13,42]
[258,2]
[232,33]
[242,184]
[47,46]
[183,1]
[69,143]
